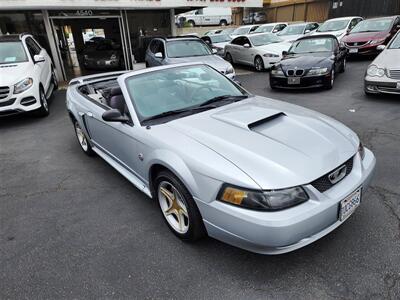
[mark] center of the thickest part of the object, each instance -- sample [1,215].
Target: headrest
[115,91]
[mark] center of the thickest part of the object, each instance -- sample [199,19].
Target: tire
[229,58]
[331,82]
[83,140]
[343,66]
[43,110]
[259,64]
[54,80]
[191,23]
[178,208]
[223,23]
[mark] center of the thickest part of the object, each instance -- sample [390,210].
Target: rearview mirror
[214,51]
[284,53]
[380,47]
[38,58]
[158,55]
[246,45]
[114,115]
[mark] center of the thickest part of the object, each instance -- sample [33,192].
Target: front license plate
[398,85]
[349,204]
[353,50]
[294,80]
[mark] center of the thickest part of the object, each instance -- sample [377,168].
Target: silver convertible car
[257,173]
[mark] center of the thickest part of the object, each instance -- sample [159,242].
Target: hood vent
[266,120]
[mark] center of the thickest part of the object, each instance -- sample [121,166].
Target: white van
[209,16]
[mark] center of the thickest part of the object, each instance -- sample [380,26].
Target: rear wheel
[191,23]
[83,141]
[54,80]
[259,64]
[229,58]
[178,207]
[43,110]
[343,66]
[223,23]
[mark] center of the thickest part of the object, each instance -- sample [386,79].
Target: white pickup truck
[208,16]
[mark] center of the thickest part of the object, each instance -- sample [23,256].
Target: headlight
[229,70]
[375,42]
[270,55]
[263,200]
[318,71]
[23,85]
[374,70]
[113,57]
[277,71]
[361,150]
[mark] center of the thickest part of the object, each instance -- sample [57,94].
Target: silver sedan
[257,173]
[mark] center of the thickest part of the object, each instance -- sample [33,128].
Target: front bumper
[363,50]
[270,61]
[19,103]
[381,85]
[289,229]
[305,82]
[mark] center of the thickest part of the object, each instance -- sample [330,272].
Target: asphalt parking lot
[72,227]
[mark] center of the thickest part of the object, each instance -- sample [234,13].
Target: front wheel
[332,80]
[229,58]
[178,207]
[259,64]
[83,141]
[43,110]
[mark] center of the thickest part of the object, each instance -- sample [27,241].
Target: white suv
[27,77]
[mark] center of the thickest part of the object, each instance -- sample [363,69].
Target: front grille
[356,44]
[323,183]
[7,103]
[296,72]
[394,74]
[4,91]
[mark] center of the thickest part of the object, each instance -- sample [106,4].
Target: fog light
[371,87]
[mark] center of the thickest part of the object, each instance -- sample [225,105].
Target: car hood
[389,58]
[364,36]
[220,45]
[306,61]
[277,144]
[276,48]
[10,74]
[337,33]
[292,37]
[214,61]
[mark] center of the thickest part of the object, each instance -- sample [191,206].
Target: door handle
[89,114]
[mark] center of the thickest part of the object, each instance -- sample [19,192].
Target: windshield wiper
[231,98]
[177,112]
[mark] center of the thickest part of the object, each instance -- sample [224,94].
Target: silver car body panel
[232,144]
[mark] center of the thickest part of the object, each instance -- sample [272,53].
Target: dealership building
[64,27]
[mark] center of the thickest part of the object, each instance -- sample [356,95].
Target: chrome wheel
[332,78]
[259,64]
[173,207]
[43,99]
[81,138]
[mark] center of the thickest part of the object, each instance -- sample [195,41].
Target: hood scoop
[248,116]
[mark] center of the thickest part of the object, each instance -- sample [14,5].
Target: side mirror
[214,51]
[307,31]
[38,59]
[158,55]
[284,53]
[275,31]
[114,115]
[380,47]
[246,45]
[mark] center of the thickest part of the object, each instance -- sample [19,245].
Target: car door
[247,53]
[46,65]
[39,68]
[233,48]
[115,139]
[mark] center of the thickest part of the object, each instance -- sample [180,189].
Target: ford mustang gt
[260,174]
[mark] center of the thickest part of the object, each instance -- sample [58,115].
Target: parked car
[103,55]
[27,76]
[214,31]
[271,28]
[383,74]
[175,50]
[338,27]
[257,173]
[261,50]
[369,34]
[312,61]
[254,17]
[297,30]
[243,30]
[228,31]
[218,42]
[209,16]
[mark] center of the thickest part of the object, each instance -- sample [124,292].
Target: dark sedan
[311,61]
[103,55]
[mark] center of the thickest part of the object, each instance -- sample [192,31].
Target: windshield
[220,38]
[333,25]
[395,44]
[292,30]
[264,39]
[313,45]
[12,52]
[187,48]
[177,88]
[373,25]
[241,30]
[264,29]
